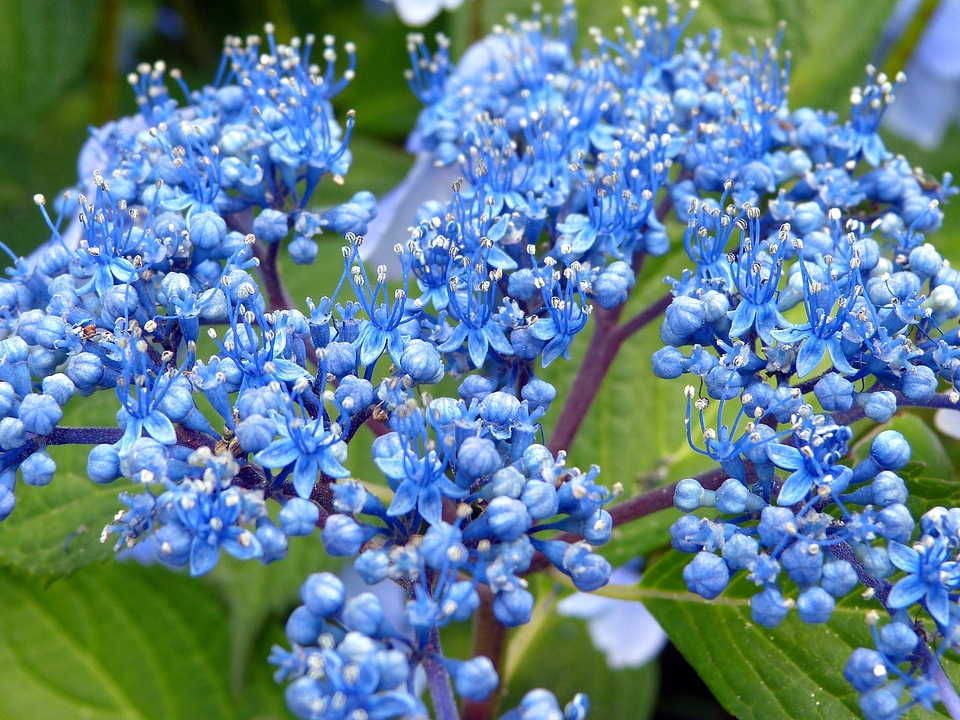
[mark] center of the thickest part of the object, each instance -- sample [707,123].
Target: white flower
[420,12]
[623,630]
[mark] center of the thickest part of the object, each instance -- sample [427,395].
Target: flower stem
[83,436]
[604,344]
[489,640]
[650,502]
[600,354]
[948,694]
[438,680]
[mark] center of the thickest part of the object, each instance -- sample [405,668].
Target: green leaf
[639,538]
[261,698]
[118,642]
[791,671]
[377,167]
[927,493]
[820,31]
[56,529]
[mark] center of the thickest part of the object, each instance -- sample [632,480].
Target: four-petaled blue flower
[312,448]
[930,577]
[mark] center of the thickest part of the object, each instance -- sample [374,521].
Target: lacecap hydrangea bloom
[813,300]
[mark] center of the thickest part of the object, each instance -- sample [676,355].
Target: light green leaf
[56,529]
[791,671]
[118,642]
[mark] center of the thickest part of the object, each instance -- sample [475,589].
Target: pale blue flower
[623,630]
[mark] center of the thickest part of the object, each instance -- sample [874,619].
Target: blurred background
[63,68]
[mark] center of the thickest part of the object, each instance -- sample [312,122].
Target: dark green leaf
[377,167]
[56,529]
[792,671]
[927,493]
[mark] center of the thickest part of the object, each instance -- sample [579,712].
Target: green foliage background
[84,638]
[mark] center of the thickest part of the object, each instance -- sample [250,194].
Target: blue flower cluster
[175,250]
[813,302]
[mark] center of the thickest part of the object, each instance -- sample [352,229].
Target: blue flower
[388,323]
[623,630]
[930,576]
[420,484]
[822,333]
[471,300]
[757,278]
[212,520]
[312,447]
[566,311]
[815,461]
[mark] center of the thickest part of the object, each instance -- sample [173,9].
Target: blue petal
[795,488]
[810,355]
[279,454]
[455,340]
[904,557]
[478,345]
[203,557]
[393,467]
[288,371]
[768,318]
[249,548]
[840,362]
[938,603]
[785,457]
[792,334]
[560,345]
[498,340]
[329,465]
[372,345]
[159,427]
[305,475]
[405,498]
[743,318]
[430,505]
[906,592]
[393,704]
[395,346]
[544,329]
